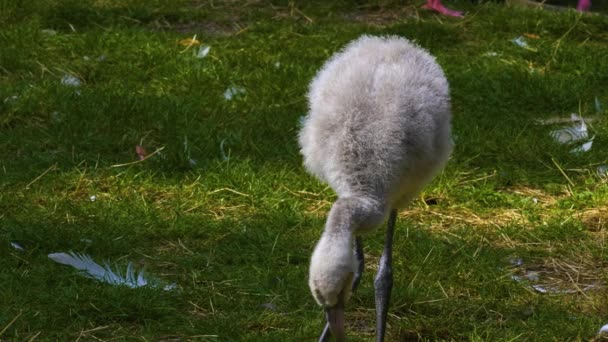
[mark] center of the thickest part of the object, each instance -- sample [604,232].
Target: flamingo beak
[335,318]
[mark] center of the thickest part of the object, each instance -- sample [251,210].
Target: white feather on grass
[105,273]
[17,246]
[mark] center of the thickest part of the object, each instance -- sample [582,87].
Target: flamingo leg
[583,5]
[437,6]
[383,283]
[326,334]
[361,263]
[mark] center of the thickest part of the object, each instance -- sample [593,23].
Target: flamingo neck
[354,215]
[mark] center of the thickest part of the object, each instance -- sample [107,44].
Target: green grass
[225,209]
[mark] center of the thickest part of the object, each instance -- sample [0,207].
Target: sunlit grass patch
[222,207]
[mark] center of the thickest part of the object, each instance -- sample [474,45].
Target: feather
[105,273]
[17,246]
[203,51]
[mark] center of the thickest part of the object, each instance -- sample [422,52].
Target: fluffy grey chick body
[378,129]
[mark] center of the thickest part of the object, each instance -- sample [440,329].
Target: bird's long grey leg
[326,334]
[383,283]
[360,261]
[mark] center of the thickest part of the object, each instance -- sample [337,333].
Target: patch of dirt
[558,277]
[595,219]
[383,16]
[537,195]
[208,28]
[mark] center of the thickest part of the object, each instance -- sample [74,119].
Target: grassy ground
[225,209]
